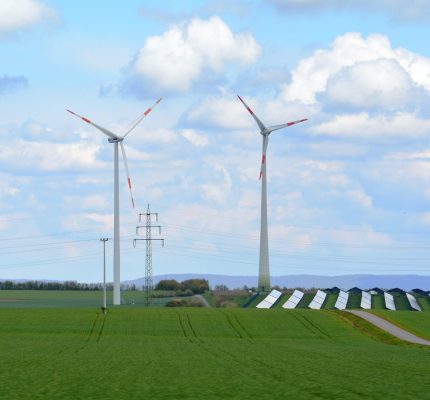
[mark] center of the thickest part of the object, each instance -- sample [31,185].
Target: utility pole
[104,240]
[148,264]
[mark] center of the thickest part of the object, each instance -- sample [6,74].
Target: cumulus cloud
[381,83]
[346,67]
[22,14]
[9,84]
[48,156]
[221,111]
[363,125]
[185,54]
[398,9]
[196,139]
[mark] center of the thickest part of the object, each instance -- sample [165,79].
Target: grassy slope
[401,302]
[415,322]
[305,301]
[200,354]
[424,302]
[354,301]
[330,301]
[378,302]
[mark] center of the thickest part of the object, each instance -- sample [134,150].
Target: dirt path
[389,327]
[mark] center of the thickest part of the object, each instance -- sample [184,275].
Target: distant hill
[405,282]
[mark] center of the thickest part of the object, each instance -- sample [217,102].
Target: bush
[168,284]
[184,303]
[197,286]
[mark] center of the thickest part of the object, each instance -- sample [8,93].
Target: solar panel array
[293,300]
[389,301]
[318,300]
[366,300]
[341,301]
[413,302]
[270,299]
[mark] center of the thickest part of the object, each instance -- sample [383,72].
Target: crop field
[70,298]
[185,353]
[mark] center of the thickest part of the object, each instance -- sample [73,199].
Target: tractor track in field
[102,328]
[92,327]
[241,326]
[316,327]
[235,329]
[184,332]
[246,368]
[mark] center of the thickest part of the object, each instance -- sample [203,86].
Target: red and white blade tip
[297,122]
[79,116]
[246,106]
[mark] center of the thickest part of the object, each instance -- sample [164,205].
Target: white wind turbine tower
[115,139]
[263,272]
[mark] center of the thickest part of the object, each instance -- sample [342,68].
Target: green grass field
[70,298]
[138,353]
[415,322]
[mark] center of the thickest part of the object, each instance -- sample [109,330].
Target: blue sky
[349,190]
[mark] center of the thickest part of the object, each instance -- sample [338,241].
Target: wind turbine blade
[276,127]
[263,156]
[100,128]
[137,122]
[259,123]
[124,157]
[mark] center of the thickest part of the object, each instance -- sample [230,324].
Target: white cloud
[221,111]
[198,140]
[413,155]
[146,136]
[50,156]
[360,197]
[86,202]
[351,59]
[21,14]
[363,125]
[378,83]
[103,222]
[185,54]
[219,191]
[399,9]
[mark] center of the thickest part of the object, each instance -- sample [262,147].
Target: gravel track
[389,327]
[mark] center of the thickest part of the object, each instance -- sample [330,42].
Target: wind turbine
[263,272]
[115,139]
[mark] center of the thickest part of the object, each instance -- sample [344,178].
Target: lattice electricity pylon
[148,287]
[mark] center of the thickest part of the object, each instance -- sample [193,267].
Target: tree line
[187,287]
[66,285]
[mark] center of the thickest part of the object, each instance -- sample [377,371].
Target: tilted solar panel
[389,301]
[270,299]
[318,300]
[342,300]
[413,302]
[366,300]
[293,300]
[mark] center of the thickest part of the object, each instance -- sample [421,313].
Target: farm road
[390,328]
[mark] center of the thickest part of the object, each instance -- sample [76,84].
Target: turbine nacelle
[115,140]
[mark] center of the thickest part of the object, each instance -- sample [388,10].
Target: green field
[416,322]
[149,353]
[71,298]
